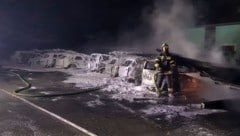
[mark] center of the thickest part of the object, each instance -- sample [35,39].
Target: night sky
[71,24]
[217,11]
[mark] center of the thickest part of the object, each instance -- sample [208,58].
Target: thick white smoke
[169,26]
[215,55]
[166,24]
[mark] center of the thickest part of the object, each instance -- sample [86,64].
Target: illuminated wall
[225,34]
[196,35]
[228,34]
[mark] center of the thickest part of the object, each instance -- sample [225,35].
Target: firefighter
[165,65]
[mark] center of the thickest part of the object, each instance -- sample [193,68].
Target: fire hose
[28,86]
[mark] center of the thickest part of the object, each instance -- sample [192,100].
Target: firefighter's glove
[156,65]
[169,72]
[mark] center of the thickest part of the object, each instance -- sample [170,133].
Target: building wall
[228,34]
[225,34]
[196,35]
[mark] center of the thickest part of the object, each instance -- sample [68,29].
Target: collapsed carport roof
[216,72]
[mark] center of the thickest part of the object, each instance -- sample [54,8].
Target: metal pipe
[227,104]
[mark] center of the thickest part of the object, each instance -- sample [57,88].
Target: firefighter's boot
[170,93]
[158,92]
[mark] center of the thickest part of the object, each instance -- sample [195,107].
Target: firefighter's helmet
[165,47]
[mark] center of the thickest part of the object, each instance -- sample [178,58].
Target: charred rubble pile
[56,58]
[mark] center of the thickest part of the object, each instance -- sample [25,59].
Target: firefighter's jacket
[165,63]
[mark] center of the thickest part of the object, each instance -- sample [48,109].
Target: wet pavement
[103,116]
[20,119]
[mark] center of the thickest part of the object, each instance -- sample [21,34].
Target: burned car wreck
[56,58]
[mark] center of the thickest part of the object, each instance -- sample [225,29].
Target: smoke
[215,56]
[170,26]
[167,23]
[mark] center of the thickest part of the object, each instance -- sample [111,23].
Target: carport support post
[210,36]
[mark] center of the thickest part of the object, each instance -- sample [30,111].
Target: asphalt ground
[112,118]
[107,120]
[18,118]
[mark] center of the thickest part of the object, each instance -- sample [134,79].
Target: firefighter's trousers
[165,81]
